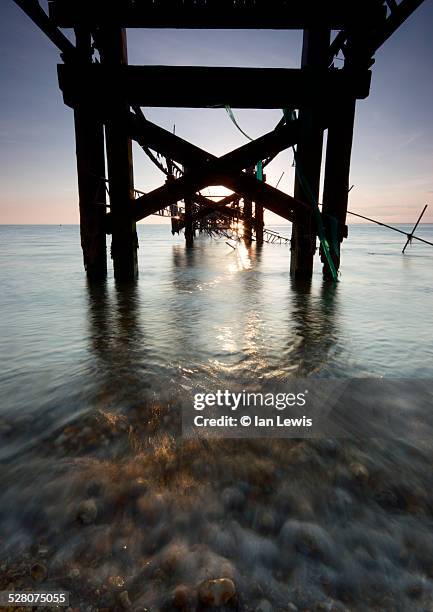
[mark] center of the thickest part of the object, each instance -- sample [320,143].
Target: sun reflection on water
[243,260]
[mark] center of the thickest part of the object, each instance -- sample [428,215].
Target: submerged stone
[264,606]
[87,511]
[216,592]
[38,572]
[124,600]
[182,597]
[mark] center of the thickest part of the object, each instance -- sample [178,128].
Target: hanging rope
[259,165]
[233,118]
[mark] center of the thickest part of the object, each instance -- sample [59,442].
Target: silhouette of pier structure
[107,95]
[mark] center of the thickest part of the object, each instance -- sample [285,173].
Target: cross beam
[214,14]
[36,13]
[207,208]
[209,87]
[360,46]
[211,170]
[169,145]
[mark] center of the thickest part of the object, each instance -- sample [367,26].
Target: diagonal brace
[209,169]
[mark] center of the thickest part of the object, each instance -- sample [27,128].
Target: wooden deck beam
[209,87]
[216,14]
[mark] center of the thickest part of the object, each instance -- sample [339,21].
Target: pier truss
[107,95]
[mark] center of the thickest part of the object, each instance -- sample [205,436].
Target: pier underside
[107,96]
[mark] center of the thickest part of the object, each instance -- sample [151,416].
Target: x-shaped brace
[207,169]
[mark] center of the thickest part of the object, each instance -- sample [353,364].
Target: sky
[392,163]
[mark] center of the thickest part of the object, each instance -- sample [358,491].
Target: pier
[107,96]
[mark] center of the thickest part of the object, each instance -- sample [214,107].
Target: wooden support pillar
[309,156]
[89,139]
[259,210]
[248,221]
[189,224]
[248,215]
[259,223]
[337,169]
[124,244]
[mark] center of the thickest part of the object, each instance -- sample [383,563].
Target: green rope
[259,171]
[233,118]
[259,165]
[290,116]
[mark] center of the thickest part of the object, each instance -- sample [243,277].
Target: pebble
[360,472]
[390,499]
[265,520]
[116,582]
[94,488]
[328,447]
[38,572]
[87,511]
[5,429]
[74,573]
[124,600]
[264,606]
[308,539]
[216,592]
[151,507]
[43,551]
[233,498]
[181,597]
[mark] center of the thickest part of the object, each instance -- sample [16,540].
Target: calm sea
[209,317]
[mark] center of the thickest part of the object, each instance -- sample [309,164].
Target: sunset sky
[392,167]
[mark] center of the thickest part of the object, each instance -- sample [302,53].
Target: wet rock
[173,557]
[216,592]
[138,487]
[124,600]
[182,597]
[325,606]
[359,473]
[233,498]
[5,428]
[150,507]
[94,488]
[291,607]
[265,521]
[42,551]
[87,512]
[341,502]
[390,498]
[328,447]
[116,582]
[415,590]
[264,606]
[38,572]
[307,539]
[74,573]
